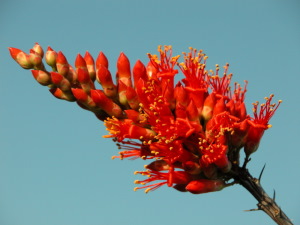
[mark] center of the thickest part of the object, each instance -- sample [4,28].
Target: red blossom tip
[139,72]
[14,52]
[88,58]
[80,62]
[51,57]
[38,49]
[101,60]
[61,58]
[123,66]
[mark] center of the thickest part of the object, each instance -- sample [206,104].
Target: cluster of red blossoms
[193,130]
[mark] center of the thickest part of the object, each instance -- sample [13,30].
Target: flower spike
[192,131]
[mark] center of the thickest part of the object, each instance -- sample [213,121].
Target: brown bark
[242,176]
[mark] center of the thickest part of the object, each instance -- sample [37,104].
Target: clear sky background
[55,167]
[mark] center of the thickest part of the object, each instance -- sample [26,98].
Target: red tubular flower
[164,66]
[125,129]
[172,177]
[133,150]
[259,124]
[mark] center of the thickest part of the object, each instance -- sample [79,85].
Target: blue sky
[54,166]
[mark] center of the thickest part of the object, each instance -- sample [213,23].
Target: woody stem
[242,176]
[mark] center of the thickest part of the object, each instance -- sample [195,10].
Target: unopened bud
[203,186]
[38,49]
[51,57]
[21,58]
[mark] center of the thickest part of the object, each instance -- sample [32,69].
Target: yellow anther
[171,148]
[135,188]
[136,172]
[147,190]
[141,137]
[136,182]
[269,126]
[113,157]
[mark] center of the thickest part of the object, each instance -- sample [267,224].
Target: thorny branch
[267,204]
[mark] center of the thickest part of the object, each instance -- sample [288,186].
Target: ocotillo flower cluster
[192,131]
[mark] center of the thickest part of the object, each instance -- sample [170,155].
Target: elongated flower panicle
[192,130]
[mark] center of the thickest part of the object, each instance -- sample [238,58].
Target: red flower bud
[51,57]
[123,73]
[36,59]
[80,62]
[58,93]
[21,58]
[158,165]
[105,103]
[38,49]
[101,60]
[90,64]
[203,186]
[62,64]
[60,81]
[132,98]
[139,72]
[105,79]
[42,77]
